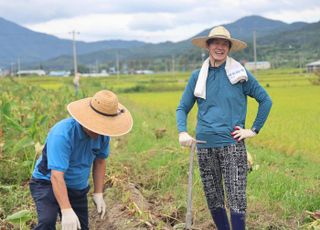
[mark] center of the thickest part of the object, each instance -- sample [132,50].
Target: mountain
[278,42]
[19,42]
[244,27]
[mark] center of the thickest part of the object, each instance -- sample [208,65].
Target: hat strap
[107,114]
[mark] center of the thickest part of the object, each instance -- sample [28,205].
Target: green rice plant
[283,186]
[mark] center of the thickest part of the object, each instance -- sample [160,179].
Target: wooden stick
[189,201]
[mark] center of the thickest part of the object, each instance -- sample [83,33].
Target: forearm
[181,117]
[98,173]
[263,112]
[60,189]
[186,103]
[253,89]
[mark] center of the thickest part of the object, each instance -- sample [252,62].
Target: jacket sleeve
[253,89]
[186,103]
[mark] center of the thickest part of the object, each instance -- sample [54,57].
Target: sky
[147,20]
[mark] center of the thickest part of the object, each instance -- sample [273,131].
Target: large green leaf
[14,124]
[23,143]
[6,108]
[20,217]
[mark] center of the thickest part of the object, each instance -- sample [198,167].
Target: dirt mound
[128,209]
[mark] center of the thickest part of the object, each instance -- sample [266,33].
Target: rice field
[282,187]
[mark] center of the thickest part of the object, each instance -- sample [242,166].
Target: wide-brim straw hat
[219,32]
[102,114]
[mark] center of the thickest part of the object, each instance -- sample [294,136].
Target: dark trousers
[224,169]
[48,207]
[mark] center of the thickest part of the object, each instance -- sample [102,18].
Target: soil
[136,213]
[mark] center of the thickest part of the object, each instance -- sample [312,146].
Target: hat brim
[237,45]
[104,125]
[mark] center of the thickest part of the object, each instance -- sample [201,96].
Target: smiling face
[218,50]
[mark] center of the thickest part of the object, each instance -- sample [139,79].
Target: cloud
[307,15]
[152,22]
[36,11]
[147,20]
[117,26]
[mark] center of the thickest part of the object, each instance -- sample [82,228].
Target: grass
[282,188]
[294,123]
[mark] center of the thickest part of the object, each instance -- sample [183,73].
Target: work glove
[185,139]
[240,133]
[69,220]
[100,204]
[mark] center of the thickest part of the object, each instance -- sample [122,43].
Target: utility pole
[203,55]
[19,74]
[97,66]
[12,74]
[75,65]
[117,63]
[300,62]
[76,79]
[254,51]
[173,64]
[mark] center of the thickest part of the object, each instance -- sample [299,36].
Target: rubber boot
[238,221]
[220,218]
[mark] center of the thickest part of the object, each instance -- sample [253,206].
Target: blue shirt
[224,108]
[70,150]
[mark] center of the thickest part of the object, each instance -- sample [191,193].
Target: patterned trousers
[224,170]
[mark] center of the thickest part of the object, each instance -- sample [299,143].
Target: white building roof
[32,71]
[314,63]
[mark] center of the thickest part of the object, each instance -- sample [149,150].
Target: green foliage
[20,217]
[316,80]
[280,190]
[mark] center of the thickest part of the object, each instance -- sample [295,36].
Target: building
[259,65]
[103,73]
[59,73]
[313,66]
[144,71]
[37,72]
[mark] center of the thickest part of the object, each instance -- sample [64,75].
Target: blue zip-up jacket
[224,108]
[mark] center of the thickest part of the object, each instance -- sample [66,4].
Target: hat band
[219,36]
[107,114]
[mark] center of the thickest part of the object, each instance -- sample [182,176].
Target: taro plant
[20,218]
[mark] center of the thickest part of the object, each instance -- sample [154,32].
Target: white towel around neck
[235,72]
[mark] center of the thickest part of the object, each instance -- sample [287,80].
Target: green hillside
[282,44]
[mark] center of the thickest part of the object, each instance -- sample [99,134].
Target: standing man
[59,181]
[220,89]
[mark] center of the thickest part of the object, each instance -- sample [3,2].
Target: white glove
[100,204]
[69,220]
[241,133]
[185,139]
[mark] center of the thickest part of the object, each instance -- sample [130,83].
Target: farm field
[146,185]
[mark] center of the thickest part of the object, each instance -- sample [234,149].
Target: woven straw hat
[219,32]
[102,114]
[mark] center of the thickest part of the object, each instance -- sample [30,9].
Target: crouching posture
[220,89]
[59,183]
